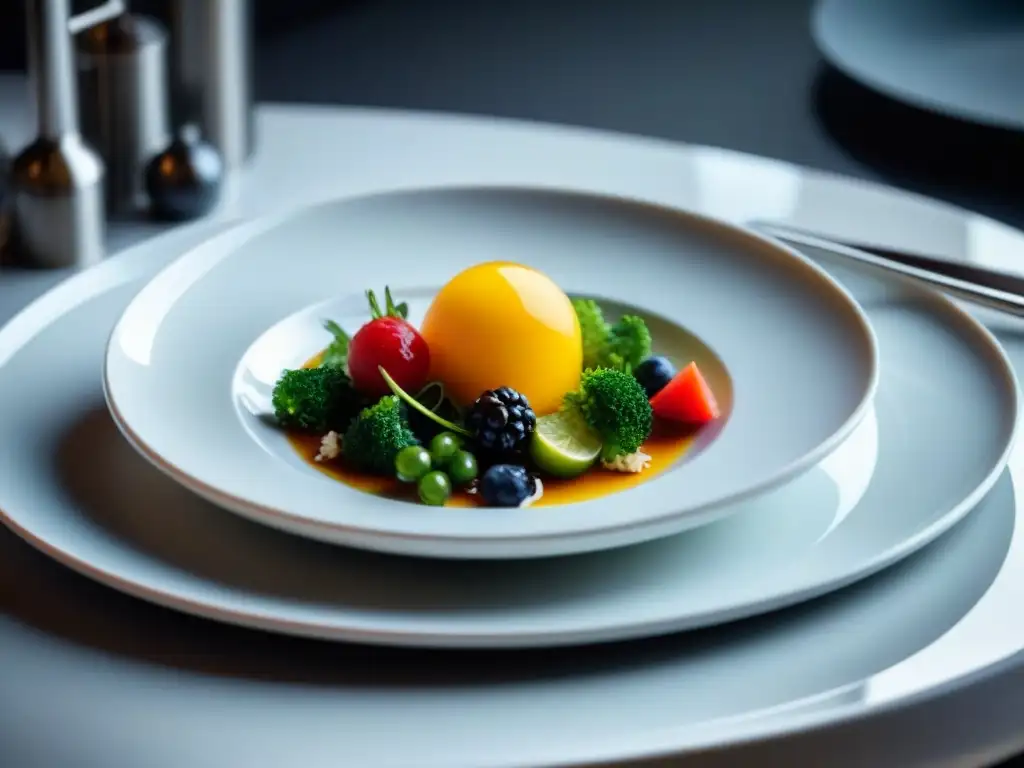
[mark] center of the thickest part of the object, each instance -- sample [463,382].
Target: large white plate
[959,57]
[797,370]
[112,517]
[683,694]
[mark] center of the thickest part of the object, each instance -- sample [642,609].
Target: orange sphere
[504,324]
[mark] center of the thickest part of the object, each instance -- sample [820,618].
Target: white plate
[675,695]
[114,518]
[796,374]
[959,57]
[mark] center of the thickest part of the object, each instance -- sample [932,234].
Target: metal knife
[985,287]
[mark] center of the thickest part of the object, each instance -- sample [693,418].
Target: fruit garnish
[615,406]
[506,485]
[501,323]
[376,436]
[315,399]
[443,447]
[412,463]
[653,374]
[686,399]
[417,406]
[435,488]
[621,345]
[462,468]
[336,354]
[564,445]
[501,420]
[388,340]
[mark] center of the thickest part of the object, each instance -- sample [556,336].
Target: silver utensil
[973,291]
[970,273]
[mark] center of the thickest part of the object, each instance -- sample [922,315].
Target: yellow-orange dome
[504,324]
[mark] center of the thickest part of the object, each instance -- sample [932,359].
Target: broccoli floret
[622,345]
[615,406]
[315,399]
[594,330]
[628,344]
[376,435]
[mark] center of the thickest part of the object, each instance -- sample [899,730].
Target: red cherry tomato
[397,347]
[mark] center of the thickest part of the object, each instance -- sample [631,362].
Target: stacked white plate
[863,417]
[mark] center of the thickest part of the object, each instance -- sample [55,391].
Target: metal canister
[212,73]
[57,180]
[123,101]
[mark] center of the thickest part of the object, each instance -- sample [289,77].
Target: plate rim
[452,544]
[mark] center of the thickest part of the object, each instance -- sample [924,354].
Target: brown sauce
[665,446]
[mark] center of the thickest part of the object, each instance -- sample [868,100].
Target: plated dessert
[509,394]
[472,350]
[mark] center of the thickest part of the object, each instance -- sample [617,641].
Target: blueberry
[653,374]
[506,485]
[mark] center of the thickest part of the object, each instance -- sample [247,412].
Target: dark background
[741,74]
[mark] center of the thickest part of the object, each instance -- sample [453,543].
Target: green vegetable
[462,468]
[390,308]
[628,344]
[315,399]
[616,407]
[376,435]
[336,353]
[435,488]
[622,345]
[593,328]
[412,463]
[417,406]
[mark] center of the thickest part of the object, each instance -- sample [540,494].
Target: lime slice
[563,445]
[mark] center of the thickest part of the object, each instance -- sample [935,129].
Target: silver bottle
[212,73]
[56,182]
[123,101]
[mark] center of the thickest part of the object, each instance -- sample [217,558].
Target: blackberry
[501,420]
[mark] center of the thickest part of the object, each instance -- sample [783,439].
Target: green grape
[412,463]
[462,468]
[435,488]
[443,447]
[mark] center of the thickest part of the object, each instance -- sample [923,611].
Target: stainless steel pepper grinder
[212,73]
[56,182]
[123,102]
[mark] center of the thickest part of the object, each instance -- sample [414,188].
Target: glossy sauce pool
[665,449]
[665,446]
